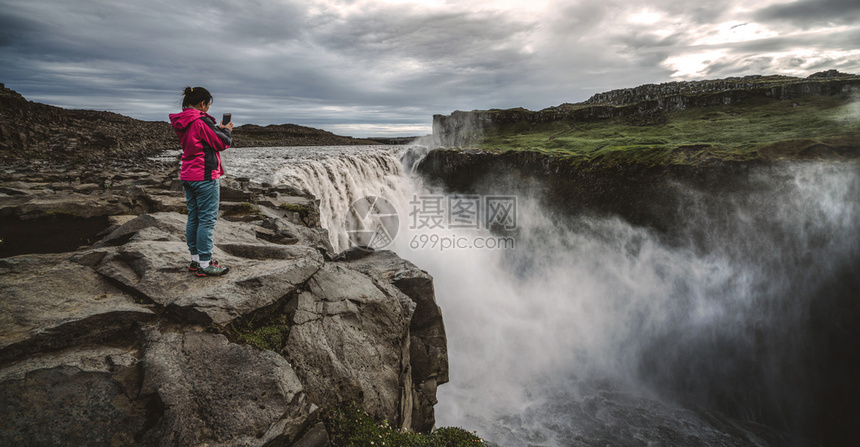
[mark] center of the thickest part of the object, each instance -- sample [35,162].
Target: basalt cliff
[648,104]
[107,338]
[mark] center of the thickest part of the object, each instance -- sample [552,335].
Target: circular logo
[372,222]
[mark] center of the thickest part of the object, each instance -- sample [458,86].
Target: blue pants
[202,198]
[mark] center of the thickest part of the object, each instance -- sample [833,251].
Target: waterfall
[337,176]
[595,331]
[340,181]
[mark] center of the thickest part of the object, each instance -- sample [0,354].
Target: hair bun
[195,95]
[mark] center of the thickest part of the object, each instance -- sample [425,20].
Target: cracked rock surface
[116,343]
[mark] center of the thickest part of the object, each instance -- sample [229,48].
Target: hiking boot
[196,265]
[213,270]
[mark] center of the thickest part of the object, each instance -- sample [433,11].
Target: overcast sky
[384,67]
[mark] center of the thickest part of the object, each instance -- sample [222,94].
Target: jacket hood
[183,119]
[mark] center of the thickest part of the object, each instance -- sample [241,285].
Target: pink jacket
[202,141]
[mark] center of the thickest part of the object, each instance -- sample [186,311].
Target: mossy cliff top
[731,120]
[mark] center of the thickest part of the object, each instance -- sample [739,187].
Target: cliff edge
[114,342]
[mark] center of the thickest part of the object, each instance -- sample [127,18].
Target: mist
[716,316]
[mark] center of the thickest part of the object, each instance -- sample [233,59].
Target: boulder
[231,193]
[219,393]
[167,202]
[297,209]
[285,229]
[428,352]
[349,341]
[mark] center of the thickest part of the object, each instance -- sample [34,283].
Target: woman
[202,141]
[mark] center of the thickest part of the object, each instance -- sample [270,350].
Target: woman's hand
[228,126]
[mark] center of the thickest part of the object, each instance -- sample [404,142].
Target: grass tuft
[350,426]
[272,336]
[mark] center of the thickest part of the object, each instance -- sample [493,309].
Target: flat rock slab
[149,256]
[166,226]
[219,393]
[74,204]
[49,302]
[159,271]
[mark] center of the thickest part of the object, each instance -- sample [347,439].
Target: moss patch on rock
[242,209]
[272,336]
[302,210]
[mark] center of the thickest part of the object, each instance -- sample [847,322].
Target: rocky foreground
[117,343]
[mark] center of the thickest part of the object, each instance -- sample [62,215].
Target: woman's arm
[217,138]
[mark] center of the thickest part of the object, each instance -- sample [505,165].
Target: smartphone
[225,120]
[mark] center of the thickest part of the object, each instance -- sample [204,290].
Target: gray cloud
[372,67]
[809,13]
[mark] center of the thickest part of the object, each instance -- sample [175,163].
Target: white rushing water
[594,331]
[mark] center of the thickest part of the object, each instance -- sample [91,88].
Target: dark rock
[316,437]
[231,194]
[428,350]
[642,195]
[280,135]
[54,234]
[33,130]
[349,342]
[286,230]
[50,303]
[75,205]
[298,210]
[105,345]
[166,202]
[264,251]
[645,104]
[87,398]
[216,392]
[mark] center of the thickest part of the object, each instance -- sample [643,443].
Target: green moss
[349,426]
[303,211]
[293,207]
[753,129]
[271,337]
[244,209]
